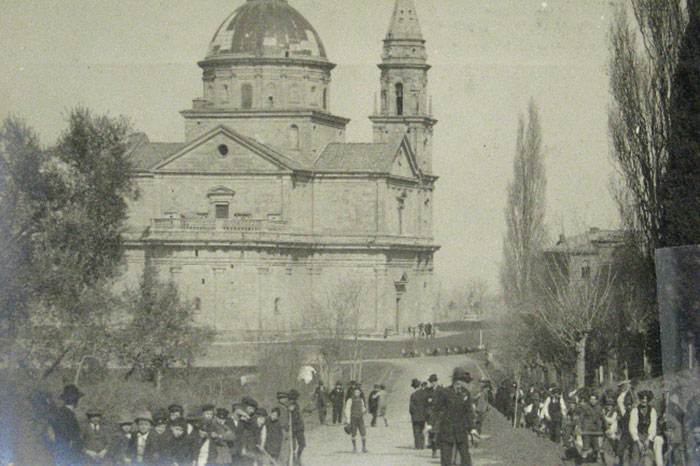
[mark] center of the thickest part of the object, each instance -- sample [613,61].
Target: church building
[264,211]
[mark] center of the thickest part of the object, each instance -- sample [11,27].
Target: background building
[265,208]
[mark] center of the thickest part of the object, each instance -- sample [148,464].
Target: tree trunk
[159,379]
[581,361]
[78,369]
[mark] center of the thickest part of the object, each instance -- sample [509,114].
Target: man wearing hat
[373,404]
[554,410]
[418,408]
[431,416]
[296,424]
[454,408]
[247,428]
[95,440]
[68,446]
[643,427]
[119,448]
[141,448]
[321,397]
[337,397]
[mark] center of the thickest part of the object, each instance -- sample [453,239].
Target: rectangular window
[222,211]
[246,96]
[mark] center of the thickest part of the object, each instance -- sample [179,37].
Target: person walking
[382,404]
[372,401]
[418,409]
[321,397]
[337,398]
[68,445]
[456,419]
[355,410]
[554,410]
[642,428]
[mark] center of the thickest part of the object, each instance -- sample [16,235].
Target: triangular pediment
[223,150]
[404,164]
[221,191]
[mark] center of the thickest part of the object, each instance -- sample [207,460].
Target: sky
[490,57]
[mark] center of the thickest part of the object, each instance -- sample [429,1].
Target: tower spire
[404,22]
[404,106]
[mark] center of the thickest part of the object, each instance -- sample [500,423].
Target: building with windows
[583,256]
[265,209]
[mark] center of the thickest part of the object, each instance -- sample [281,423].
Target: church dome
[267,28]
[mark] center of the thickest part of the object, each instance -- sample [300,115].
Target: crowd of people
[621,427]
[451,416]
[349,407]
[423,331]
[246,435]
[445,351]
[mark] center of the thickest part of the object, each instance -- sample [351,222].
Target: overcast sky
[138,58]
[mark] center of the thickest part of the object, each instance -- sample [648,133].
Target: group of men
[349,407]
[247,435]
[452,416]
[610,427]
[422,331]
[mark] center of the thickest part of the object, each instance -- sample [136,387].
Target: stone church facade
[265,209]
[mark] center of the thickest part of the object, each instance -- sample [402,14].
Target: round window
[223,149]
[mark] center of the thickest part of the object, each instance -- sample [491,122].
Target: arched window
[224,93]
[313,97]
[278,302]
[294,137]
[197,304]
[246,96]
[399,98]
[325,99]
[586,271]
[270,92]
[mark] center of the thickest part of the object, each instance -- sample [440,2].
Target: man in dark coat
[275,434]
[454,409]
[141,448]
[68,446]
[337,398]
[373,404]
[296,424]
[418,408]
[321,396]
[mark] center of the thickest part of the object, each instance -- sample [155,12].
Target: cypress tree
[680,186]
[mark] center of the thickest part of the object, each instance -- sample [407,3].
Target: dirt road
[393,445]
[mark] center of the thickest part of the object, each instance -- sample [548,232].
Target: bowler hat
[208,407]
[415,383]
[433,378]
[222,413]
[93,414]
[293,395]
[248,401]
[282,395]
[261,412]
[646,394]
[338,382]
[461,374]
[71,394]
[144,415]
[125,419]
[175,408]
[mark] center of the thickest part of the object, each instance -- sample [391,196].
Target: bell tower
[405,106]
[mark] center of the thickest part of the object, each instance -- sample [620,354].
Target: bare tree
[574,308]
[525,210]
[639,117]
[336,316]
